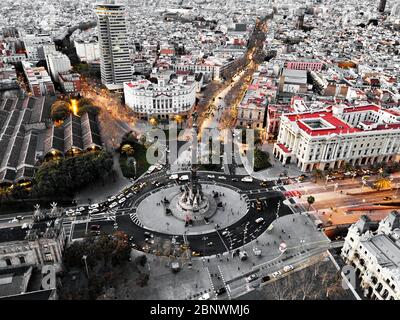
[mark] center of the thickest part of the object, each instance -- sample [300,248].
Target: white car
[13,220]
[259,220]
[80,209]
[70,211]
[185,177]
[222,177]
[205,296]
[94,206]
[224,233]
[288,268]
[247,179]
[95,210]
[122,200]
[210,176]
[173,177]
[111,199]
[120,196]
[112,205]
[276,274]
[130,194]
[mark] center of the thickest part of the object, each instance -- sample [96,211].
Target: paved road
[217,241]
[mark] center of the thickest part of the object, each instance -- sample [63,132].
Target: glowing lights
[153,121]
[74,106]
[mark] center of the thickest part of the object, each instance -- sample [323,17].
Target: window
[8,262]
[21,260]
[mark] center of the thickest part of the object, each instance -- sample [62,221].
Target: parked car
[259,220]
[288,268]
[277,274]
[265,278]
[122,200]
[252,277]
[222,177]
[210,176]
[112,205]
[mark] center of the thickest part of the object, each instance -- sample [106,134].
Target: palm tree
[310,201]
[318,174]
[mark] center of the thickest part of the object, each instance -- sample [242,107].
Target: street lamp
[84,257]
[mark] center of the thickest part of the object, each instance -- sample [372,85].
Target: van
[259,220]
[173,177]
[247,179]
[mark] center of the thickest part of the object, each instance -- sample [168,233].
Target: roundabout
[226,223]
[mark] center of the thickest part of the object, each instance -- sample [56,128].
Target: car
[247,179]
[252,277]
[288,268]
[80,209]
[259,220]
[93,206]
[264,184]
[112,205]
[15,220]
[70,211]
[173,177]
[220,291]
[185,177]
[20,217]
[111,199]
[146,233]
[222,177]
[210,243]
[224,233]
[277,274]
[93,211]
[195,254]
[234,179]
[95,227]
[122,200]
[159,184]
[387,198]
[265,278]
[129,195]
[210,176]
[120,196]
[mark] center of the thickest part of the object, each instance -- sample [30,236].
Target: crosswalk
[135,219]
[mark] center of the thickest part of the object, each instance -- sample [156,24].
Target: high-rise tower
[113,42]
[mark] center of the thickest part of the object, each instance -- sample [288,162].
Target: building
[292,82]
[27,137]
[26,282]
[37,244]
[308,65]
[113,41]
[170,96]
[8,77]
[35,44]
[57,62]
[375,255]
[70,83]
[332,137]
[39,81]
[87,51]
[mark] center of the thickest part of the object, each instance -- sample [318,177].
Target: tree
[60,110]
[382,184]
[261,160]
[318,174]
[127,149]
[310,201]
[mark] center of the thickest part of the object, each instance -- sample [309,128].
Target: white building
[34,46]
[57,62]
[87,51]
[115,62]
[375,256]
[164,99]
[337,135]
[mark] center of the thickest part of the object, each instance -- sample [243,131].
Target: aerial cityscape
[229,150]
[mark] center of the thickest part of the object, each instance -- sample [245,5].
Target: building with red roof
[336,135]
